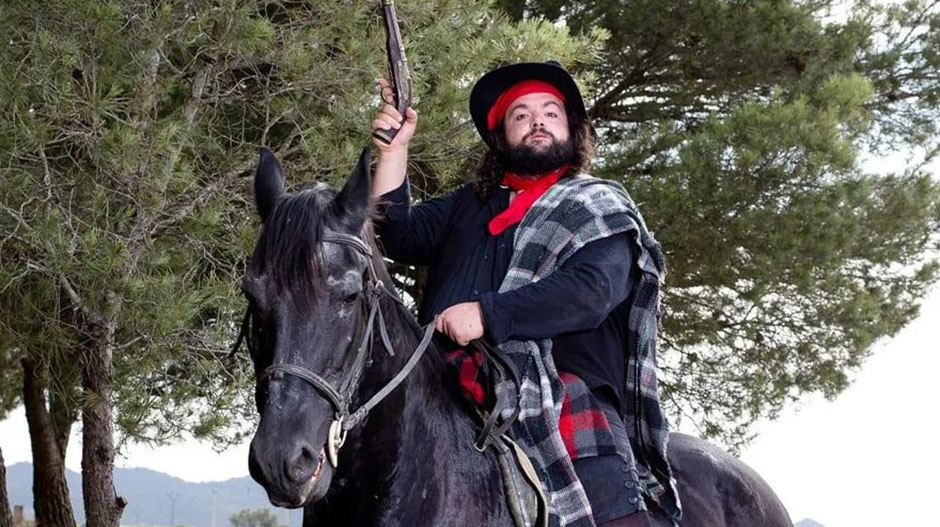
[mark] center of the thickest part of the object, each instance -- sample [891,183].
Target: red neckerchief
[527,191]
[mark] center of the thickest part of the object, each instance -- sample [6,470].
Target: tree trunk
[64,401]
[6,517]
[103,507]
[50,491]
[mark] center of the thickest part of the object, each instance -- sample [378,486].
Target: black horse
[328,335]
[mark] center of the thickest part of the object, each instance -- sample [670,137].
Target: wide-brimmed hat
[490,86]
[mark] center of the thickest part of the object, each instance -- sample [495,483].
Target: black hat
[493,84]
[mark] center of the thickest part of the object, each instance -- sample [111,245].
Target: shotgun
[398,67]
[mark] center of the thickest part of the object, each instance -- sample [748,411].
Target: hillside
[155,498]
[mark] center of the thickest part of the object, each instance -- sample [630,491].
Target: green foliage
[737,126]
[902,61]
[128,135]
[128,131]
[254,518]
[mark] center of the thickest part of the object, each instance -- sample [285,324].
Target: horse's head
[310,285]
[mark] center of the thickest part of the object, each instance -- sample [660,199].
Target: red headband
[498,110]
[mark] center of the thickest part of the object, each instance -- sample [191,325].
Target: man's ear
[269,183]
[351,205]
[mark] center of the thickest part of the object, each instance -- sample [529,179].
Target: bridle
[344,419]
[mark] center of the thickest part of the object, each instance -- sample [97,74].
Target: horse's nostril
[307,455]
[302,464]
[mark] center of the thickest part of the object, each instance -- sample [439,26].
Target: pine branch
[147,224]
[91,316]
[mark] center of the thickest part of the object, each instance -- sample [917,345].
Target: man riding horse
[558,268]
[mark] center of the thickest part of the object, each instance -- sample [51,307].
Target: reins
[504,383]
[344,419]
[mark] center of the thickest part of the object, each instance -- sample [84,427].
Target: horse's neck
[420,400]
[392,449]
[413,461]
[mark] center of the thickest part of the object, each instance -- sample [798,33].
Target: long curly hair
[492,169]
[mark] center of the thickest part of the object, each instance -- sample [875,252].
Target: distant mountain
[154,498]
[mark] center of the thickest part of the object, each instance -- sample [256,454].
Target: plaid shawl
[571,214]
[582,423]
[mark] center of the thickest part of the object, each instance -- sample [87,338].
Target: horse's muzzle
[294,473]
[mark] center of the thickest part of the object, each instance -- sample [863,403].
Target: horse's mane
[289,249]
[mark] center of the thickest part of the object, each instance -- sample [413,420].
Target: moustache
[527,136]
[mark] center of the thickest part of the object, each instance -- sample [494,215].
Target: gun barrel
[398,67]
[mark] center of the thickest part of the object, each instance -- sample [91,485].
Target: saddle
[526,500]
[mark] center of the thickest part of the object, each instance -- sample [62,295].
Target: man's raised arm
[393,157]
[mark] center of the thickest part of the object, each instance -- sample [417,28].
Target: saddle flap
[525,498]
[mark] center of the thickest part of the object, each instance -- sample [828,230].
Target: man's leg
[610,481]
[605,481]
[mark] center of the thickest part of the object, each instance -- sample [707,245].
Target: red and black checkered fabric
[583,425]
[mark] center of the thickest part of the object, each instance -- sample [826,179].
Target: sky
[870,457]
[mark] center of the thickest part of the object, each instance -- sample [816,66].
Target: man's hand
[393,157]
[461,322]
[388,117]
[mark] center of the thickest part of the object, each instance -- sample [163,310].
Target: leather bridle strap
[315,380]
[344,419]
[351,419]
[356,417]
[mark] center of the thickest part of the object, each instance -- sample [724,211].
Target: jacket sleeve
[577,296]
[409,233]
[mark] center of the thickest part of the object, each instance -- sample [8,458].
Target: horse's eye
[351,299]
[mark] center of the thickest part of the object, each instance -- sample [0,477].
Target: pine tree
[128,131]
[6,517]
[738,127]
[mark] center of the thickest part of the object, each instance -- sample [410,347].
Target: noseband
[344,419]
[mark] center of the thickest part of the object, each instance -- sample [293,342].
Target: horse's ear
[352,203]
[269,183]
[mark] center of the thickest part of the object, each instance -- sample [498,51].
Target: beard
[530,161]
